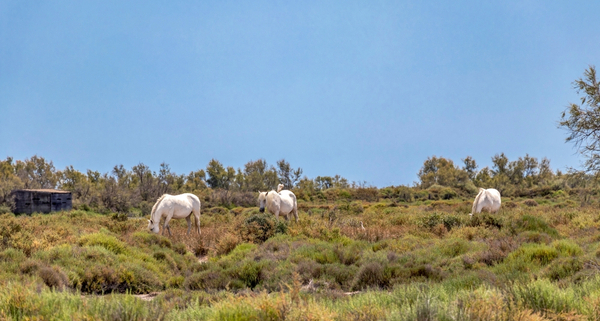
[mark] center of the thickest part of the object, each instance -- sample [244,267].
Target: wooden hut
[29,201]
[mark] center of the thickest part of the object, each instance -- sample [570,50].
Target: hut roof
[47,190]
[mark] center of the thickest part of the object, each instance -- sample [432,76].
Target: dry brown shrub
[440,230]
[237,211]
[309,269]
[530,203]
[484,306]
[472,233]
[564,316]
[218,210]
[53,277]
[227,243]
[200,249]
[30,266]
[498,249]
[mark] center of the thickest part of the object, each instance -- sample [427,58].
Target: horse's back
[192,198]
[492,199]
[181,202]
[288,200]
[287,194]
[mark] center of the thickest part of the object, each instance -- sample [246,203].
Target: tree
[8,180]
[441,171]
[195,181]
[323,182]
[470,167]
[582,122]
[145,179]
[169,182]
[218,176]
[76,182]
[500,164]
[36,173]
[258,176]
[288,176]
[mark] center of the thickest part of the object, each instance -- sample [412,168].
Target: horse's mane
[477,200]
[156,205]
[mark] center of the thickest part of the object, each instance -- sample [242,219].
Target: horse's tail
[156,205]
[295,210]
[194,200]
[197,217]
[481,190]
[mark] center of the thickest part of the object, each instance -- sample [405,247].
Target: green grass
[423,261]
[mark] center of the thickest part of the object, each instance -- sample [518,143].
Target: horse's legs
[189,221]
[295,210]
[167,219]
[197,219]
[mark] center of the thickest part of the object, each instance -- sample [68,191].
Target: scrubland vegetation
[419,257]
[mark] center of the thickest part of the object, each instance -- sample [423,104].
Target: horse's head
[153,227]
[262,201]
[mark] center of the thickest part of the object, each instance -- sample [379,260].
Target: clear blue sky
[364,89]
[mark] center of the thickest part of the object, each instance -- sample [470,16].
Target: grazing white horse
[175,206]
[487,200]
[283,203]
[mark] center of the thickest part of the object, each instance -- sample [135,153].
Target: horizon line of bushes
[135,190]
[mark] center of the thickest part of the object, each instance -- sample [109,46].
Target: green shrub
[309,269]
[352,208]
[258,228]
[562,268]
[427,271]
[180,248]
[5,209]
[447,193]
[486,220]
[371,274]
[434,219]
[567,247]
[347,255]
[212,279]
[455,247]
[533,223]
[281,228]
[429,221]
[535,237]
[108,242]
[343,275]
[544,297]
[321,252]
[539,254]
[149,239]
[249,272]
[176,282]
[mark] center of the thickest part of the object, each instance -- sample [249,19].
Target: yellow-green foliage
[421,260]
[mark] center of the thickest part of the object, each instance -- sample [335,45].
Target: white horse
[175,206]
[487,200]
[283,203]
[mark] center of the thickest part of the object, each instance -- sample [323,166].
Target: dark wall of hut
[41,201]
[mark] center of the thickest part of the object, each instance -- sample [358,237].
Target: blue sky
[364,89]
